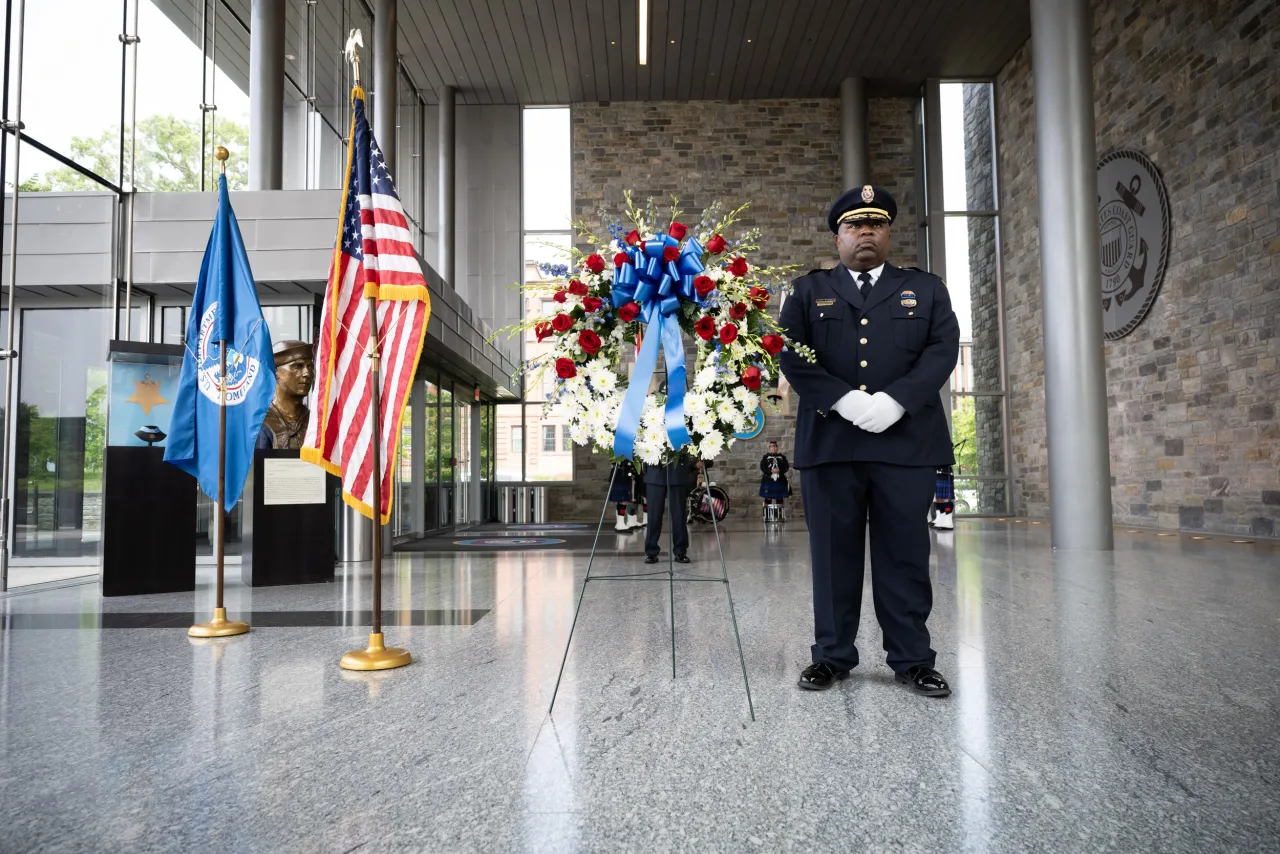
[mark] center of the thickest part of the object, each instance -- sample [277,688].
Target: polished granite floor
[1118,702]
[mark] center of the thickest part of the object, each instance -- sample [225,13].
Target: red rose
[738,266]
[592,303]
[772,344]
[728,333]
[542,330]
[738,311]
[595,263]
[589,341]
[677,230]
[629,312]
[670,253]
[751,377]
[562,322]
[632,238]
[565,368]
[759,297]
[716,245]
[560,296]
[705,327]
[621,258]
[703,285]
[577,288]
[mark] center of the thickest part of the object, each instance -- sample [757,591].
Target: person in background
[623,489]
[773,476]
[668,485]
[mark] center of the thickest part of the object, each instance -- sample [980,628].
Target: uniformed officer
[870,434]
[667,489]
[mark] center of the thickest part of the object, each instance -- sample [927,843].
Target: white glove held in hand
[852,406]
[882,414]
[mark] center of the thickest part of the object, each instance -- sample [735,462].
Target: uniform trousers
[839,501]
[660,499]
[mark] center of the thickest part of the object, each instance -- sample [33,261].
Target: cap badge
[868,194]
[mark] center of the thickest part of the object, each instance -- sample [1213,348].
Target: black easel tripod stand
[670,576]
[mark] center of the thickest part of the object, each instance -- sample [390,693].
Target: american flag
[373,257]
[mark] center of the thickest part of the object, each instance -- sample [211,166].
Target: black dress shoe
[650,558]
[925,681]
[820,676]
[683,559]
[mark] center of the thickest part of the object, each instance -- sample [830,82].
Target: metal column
[855,143]
[386,97]
[266,95]
[448,95]
[475,507]
[936,224]
[1075,378]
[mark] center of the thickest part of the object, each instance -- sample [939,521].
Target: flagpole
[377,656]
[220,626]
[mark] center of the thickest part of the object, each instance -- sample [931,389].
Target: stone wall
[783,156]
[1195,439]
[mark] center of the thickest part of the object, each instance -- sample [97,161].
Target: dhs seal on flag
[242,370]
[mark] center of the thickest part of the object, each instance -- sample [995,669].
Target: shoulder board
[926,272]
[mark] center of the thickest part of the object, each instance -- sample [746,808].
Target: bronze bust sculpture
[286,423]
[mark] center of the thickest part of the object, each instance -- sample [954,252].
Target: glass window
[329,120]
[551,463]
[431,454]
[71,84]
[566,439]
[971,235]
[61,432]
[229,91]
[546,156]
[509,442]
[171,74]
[288,322]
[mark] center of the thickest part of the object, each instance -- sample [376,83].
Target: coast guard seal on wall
[1133,224]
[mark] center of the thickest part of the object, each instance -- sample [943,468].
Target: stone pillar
[855,151]
[266,95]
[1075,378]
[386,94]
[448,96]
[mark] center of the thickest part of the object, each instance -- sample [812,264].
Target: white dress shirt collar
[875,274]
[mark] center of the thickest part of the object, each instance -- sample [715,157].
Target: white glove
[882,414]
[853,405]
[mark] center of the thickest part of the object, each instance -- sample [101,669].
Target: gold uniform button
[862,341]
[862,388]
[865,321]
[864,363]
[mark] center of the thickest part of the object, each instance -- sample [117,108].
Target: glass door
[448,456]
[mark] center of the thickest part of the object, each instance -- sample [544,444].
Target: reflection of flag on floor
[374,257]
[225,308]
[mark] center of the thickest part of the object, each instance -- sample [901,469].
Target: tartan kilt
[944,488]
[621,489]
[770,488]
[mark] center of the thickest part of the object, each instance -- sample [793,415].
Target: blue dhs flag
[225,308]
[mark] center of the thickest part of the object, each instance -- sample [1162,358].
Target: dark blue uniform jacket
[904,341]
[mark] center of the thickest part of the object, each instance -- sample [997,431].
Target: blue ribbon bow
[657,285]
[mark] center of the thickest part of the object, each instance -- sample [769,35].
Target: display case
[149,506]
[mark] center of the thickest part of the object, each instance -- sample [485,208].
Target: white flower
[711,446]
[651,455]
[603,437]
[704,422]
[694,403]
[578,433]
[706,377]
[606,382]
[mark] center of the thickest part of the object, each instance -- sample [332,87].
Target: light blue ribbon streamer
[657,286]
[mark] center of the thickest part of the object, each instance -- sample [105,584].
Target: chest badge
[824,302]
[908,298]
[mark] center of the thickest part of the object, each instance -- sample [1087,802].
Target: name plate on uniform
[286,481]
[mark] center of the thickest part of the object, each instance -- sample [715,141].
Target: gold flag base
[376,657]
[218,627]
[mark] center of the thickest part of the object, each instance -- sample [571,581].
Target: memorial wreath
[651,282]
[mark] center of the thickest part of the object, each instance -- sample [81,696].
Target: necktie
[864,284]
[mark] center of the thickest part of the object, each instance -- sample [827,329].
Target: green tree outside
[964,435]
[169,157]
